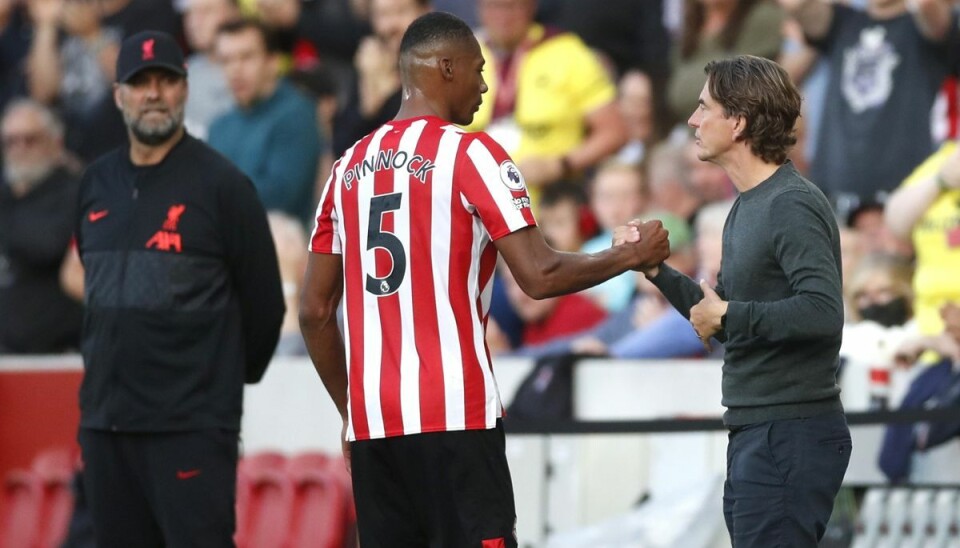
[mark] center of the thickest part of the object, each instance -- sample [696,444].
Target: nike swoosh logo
[185,475]
[97,215]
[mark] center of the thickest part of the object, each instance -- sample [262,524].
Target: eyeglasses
[22,139]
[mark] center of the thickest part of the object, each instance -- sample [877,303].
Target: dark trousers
[165,489]
[782,478]
[436,490]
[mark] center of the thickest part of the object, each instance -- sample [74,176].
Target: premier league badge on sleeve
[511,176]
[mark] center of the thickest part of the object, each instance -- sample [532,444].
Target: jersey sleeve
[493,186]
[325,238]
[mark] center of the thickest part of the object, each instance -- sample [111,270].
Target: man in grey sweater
[777,307]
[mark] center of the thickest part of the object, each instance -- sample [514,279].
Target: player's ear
[446,67]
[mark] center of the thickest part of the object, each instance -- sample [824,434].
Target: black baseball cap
[149,49]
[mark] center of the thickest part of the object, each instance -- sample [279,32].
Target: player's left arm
[804,249]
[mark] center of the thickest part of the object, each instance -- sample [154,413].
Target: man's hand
[706,315]
[628,233]
[653,247]
[637,232]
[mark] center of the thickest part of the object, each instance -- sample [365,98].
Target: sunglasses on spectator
[24,139]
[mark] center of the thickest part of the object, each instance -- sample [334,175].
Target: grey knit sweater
[780,274]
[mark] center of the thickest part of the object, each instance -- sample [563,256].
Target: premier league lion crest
[511,176]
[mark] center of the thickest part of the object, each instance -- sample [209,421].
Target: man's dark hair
[761,91]
[563,191]
[235,26]
[435,27]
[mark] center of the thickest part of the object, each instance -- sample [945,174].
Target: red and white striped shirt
[414,208]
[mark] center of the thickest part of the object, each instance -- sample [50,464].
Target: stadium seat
[945,519]
[897,518]
[22,503]
[264,501]
[871,526]
[321,509]
[920,516]
[55,469]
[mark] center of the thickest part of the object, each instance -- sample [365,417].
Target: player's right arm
[542,271]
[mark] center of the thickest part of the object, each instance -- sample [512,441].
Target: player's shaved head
[441,69]
[430,36]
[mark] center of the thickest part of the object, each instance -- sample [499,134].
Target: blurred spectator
[75,71]
[38,200]
[709,229]
[926,208]
[14,44]
[376,98]
[319,84]
[879,290]
[886,67]
[880,300]
[667,179]
[564,216]
[630,33]
[272,134]
[714,29]
[464,10]
[209,93]
[649,327]
[132,16]
[331,28]
[875,237]
[547,319]
[617,195]
[550,102]
[290,240]
[637,108]
[945,344]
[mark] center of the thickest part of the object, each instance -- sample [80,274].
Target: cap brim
[168,66]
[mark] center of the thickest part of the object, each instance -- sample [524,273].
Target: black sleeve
[255,273]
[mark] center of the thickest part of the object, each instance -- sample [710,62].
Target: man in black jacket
[183,304]
[38,198]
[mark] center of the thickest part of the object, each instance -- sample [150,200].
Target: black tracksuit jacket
[182,291]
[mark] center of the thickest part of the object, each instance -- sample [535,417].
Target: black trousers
[782,478]
[436,490]
[159,489]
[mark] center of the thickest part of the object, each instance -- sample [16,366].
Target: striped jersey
[413,209]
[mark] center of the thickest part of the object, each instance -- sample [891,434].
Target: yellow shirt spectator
[936,240]
[559,81]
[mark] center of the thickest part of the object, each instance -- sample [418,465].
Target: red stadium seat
[22,503]
[55,469]
[322,507]
[264,501]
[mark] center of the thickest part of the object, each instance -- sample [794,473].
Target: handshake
[649,241]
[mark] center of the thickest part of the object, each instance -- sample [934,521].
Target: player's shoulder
[484,140]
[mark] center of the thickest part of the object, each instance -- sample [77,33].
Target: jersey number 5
[387,241]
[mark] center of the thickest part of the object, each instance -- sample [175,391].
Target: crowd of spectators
[590,98]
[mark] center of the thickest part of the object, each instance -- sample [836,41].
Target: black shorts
[159,489]
[437,490]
